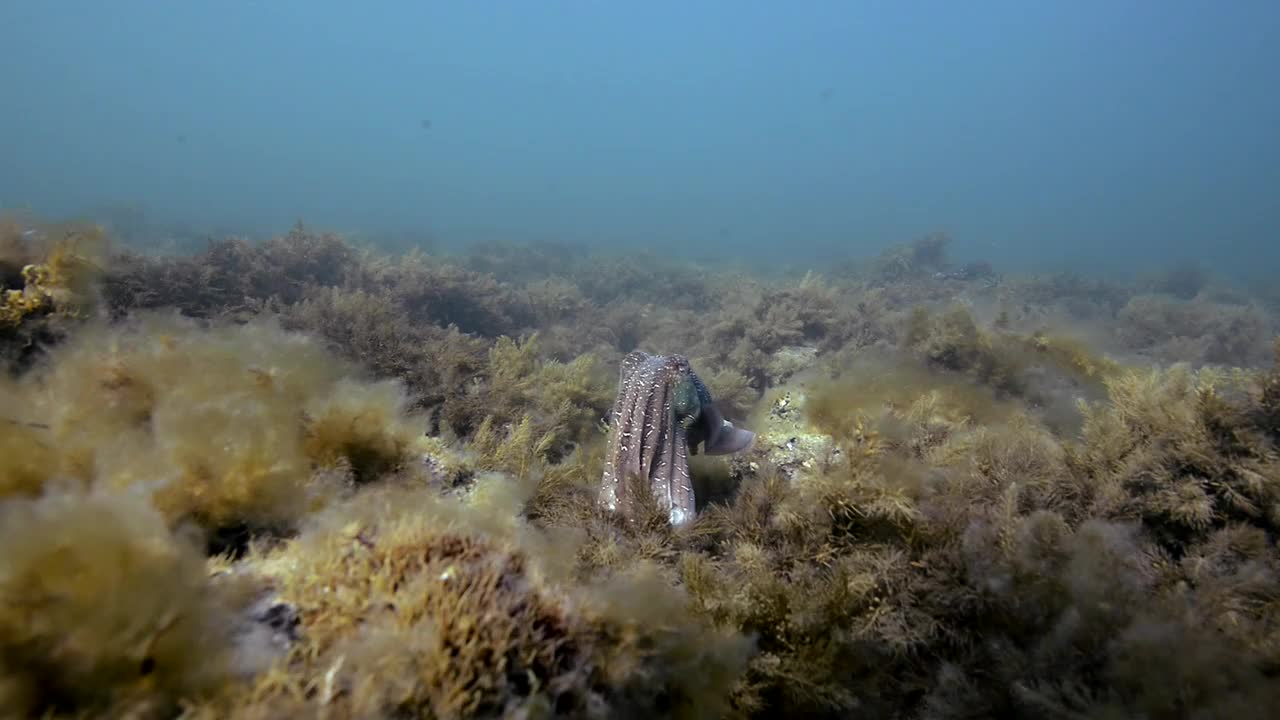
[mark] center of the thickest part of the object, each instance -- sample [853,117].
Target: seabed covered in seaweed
[302,478]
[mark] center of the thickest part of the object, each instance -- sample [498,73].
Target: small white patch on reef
[785,440]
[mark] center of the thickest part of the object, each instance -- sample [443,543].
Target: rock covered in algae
[786,440]
[662,411]
[788,361]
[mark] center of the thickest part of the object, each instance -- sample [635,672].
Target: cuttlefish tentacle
[661,413]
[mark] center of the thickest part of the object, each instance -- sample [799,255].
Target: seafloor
[304,478]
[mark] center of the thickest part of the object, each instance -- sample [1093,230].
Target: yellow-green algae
[982,520]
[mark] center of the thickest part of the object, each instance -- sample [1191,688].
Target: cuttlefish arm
[662,410]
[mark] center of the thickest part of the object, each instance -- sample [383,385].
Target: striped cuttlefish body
[662,412]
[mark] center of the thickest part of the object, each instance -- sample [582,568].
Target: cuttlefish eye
[685,401]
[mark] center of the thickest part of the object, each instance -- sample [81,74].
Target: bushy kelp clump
[418,606]
[225,426]
[103,607]
[1199,330]
[935,568]
[48,276]
[301,478]
[1047,372]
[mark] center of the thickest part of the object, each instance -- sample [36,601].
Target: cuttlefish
[661,414]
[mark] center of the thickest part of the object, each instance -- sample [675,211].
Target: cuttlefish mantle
[663,412]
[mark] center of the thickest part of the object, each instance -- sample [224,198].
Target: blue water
[1107,134]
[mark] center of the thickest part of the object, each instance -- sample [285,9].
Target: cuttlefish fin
[721,437]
